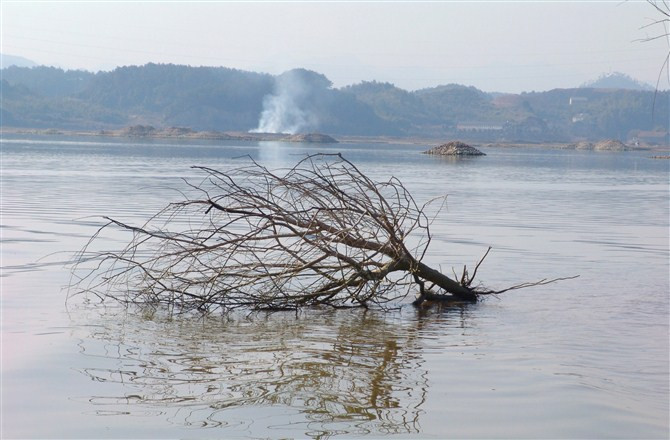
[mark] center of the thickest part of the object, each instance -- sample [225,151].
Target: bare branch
[320,232]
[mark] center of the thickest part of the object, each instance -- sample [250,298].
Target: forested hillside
[223,99]
[201,98]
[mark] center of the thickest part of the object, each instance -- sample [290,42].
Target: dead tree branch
[321,232]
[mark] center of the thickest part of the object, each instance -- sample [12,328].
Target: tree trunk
[446,283]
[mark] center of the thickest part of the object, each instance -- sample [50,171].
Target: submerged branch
[320,232]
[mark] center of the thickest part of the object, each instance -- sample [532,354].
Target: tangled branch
[318,233]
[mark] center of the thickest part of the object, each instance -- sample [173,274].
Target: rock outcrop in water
[605,145]
[314,138]
[610,145]
[139,131]
[455,148]
[149,131]
[583,145]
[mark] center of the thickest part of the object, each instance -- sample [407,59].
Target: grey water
[583,358]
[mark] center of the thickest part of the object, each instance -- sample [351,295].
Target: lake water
[585,358]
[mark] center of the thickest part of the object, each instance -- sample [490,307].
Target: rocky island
[455,148]
[314,138]
[604,145]
[148,131]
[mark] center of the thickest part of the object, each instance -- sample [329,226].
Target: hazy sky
[495,46]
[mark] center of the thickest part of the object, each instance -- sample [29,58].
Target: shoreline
[179,133]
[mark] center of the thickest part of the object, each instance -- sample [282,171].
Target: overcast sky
[495,46]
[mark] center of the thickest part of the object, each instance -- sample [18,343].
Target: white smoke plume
[289,110]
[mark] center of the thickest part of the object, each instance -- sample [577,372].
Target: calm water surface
[586,358]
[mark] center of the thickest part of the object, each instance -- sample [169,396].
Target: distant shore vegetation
[223,100]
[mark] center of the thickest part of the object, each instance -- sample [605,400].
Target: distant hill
[13,60]
[49,81]
[202,98]
[617,80]
[431,110]
[391,103]
[303,101]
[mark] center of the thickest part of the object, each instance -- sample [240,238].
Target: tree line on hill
[224,99]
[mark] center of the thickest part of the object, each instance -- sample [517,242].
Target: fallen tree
[321,232]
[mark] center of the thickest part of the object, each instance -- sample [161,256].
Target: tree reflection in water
[352,372]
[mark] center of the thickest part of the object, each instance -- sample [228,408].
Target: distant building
[578,99]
